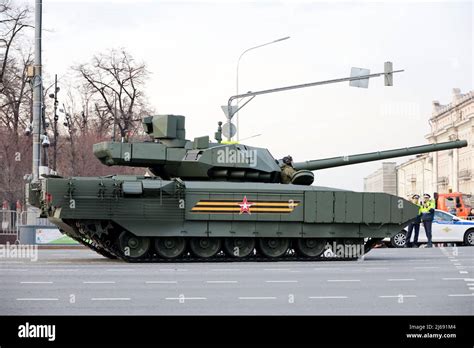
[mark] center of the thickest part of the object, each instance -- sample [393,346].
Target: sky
[191,50]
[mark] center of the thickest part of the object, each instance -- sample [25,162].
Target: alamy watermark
[344,250]
[237,156]
[28,330]
[19,251]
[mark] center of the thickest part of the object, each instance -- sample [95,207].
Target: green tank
[214,201]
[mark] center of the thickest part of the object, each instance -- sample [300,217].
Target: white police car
[445,228]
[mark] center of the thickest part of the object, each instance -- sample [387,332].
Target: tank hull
[101,209]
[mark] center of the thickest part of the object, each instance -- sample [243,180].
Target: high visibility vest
[427,206]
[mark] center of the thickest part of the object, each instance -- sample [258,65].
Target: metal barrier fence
[12,220]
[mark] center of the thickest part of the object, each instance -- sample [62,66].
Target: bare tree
[15,98]
[13,21]
[116,81]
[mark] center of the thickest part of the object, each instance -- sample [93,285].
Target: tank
[203,200]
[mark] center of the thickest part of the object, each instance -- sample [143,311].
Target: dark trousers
[416,226]
[427,226]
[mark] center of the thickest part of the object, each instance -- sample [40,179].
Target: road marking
[59,262]
[36,299]
[396,296]
[400,279]
[458,295]
[65,270]
[454,260]
[469,279]
[110,299]
[327,297]
[470,288]
[161,282]
[453,278]
[13,269]
[36,282]
[221,281]
[470,284]
[186,298]
[457,264]
[327,269]
[281,281]
[376,268]
[276,269]
[99,282]
[463,272]
[119,269]
[343,280]
[224,269]
[12,262]
[426,267]
[257,298]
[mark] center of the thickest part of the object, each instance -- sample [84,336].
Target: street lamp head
[282,39]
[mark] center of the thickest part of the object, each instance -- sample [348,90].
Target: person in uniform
[415,199]
[427,215]
[287,170]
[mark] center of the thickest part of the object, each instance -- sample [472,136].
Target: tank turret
[170,155]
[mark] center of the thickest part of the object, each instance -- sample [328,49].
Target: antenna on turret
[253,136]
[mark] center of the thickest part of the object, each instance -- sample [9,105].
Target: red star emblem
[245,206]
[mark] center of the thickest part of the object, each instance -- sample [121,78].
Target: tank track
[95,247]
[108,247]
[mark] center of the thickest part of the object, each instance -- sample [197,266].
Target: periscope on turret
[212,200]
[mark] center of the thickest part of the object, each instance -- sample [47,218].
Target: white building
[443,171]
[383,179]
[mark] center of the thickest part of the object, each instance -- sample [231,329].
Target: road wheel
[170,247]
[310,247]
[205,247]
[469,237]
[133,246]
[399,240]
[239,247]
[273,247]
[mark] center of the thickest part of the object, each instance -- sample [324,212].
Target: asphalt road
[438,281]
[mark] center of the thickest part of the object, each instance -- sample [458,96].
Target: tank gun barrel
[376,156]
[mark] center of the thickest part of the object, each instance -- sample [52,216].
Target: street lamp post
[237,75]
[37,93]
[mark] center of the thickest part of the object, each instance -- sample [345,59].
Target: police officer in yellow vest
[415,199]
[427,215]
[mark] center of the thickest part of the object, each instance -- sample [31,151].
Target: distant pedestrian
[415,199]
[427,215]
